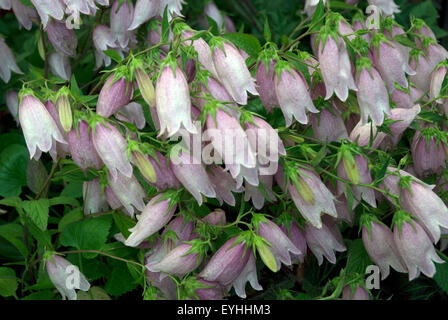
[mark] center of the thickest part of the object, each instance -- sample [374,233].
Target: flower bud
[362,134]
[155,215]
[146,87]
[113,96]
[437,79]
[65,112]
[361,168]
[145,167]
[165,177]
[60,270]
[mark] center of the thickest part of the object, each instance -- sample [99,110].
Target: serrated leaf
[120,280]
[95,293]
[358,259]
[70,217]
[165,26]
[8,282]
[37,211]
[88,234]
[13,166]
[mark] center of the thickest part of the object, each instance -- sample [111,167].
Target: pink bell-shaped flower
[154,217]
[233,73]
[324,242]
[173,100]
[39,128]
[336,68]
[293,94]
[129,192]
[63,39]
[62,274]
[380,245]
[416,249]
[111,148]
[47,9]
[9,62]
[311,197]
[373,98]
[81,147]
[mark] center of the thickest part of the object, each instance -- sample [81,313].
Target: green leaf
[64,200]
[247,42]
[11,202]
[358,259]
[38,211]
[267,31]
[165,26]
[441,276]
[95,293]
[88,234]
[120,280]
[72,216]
[317,20]
[40,295]
[8,282]
[113,55]
[13,232]
[13,165]
[74,87]
[124,223]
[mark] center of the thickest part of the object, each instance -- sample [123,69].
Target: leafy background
[58,219]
